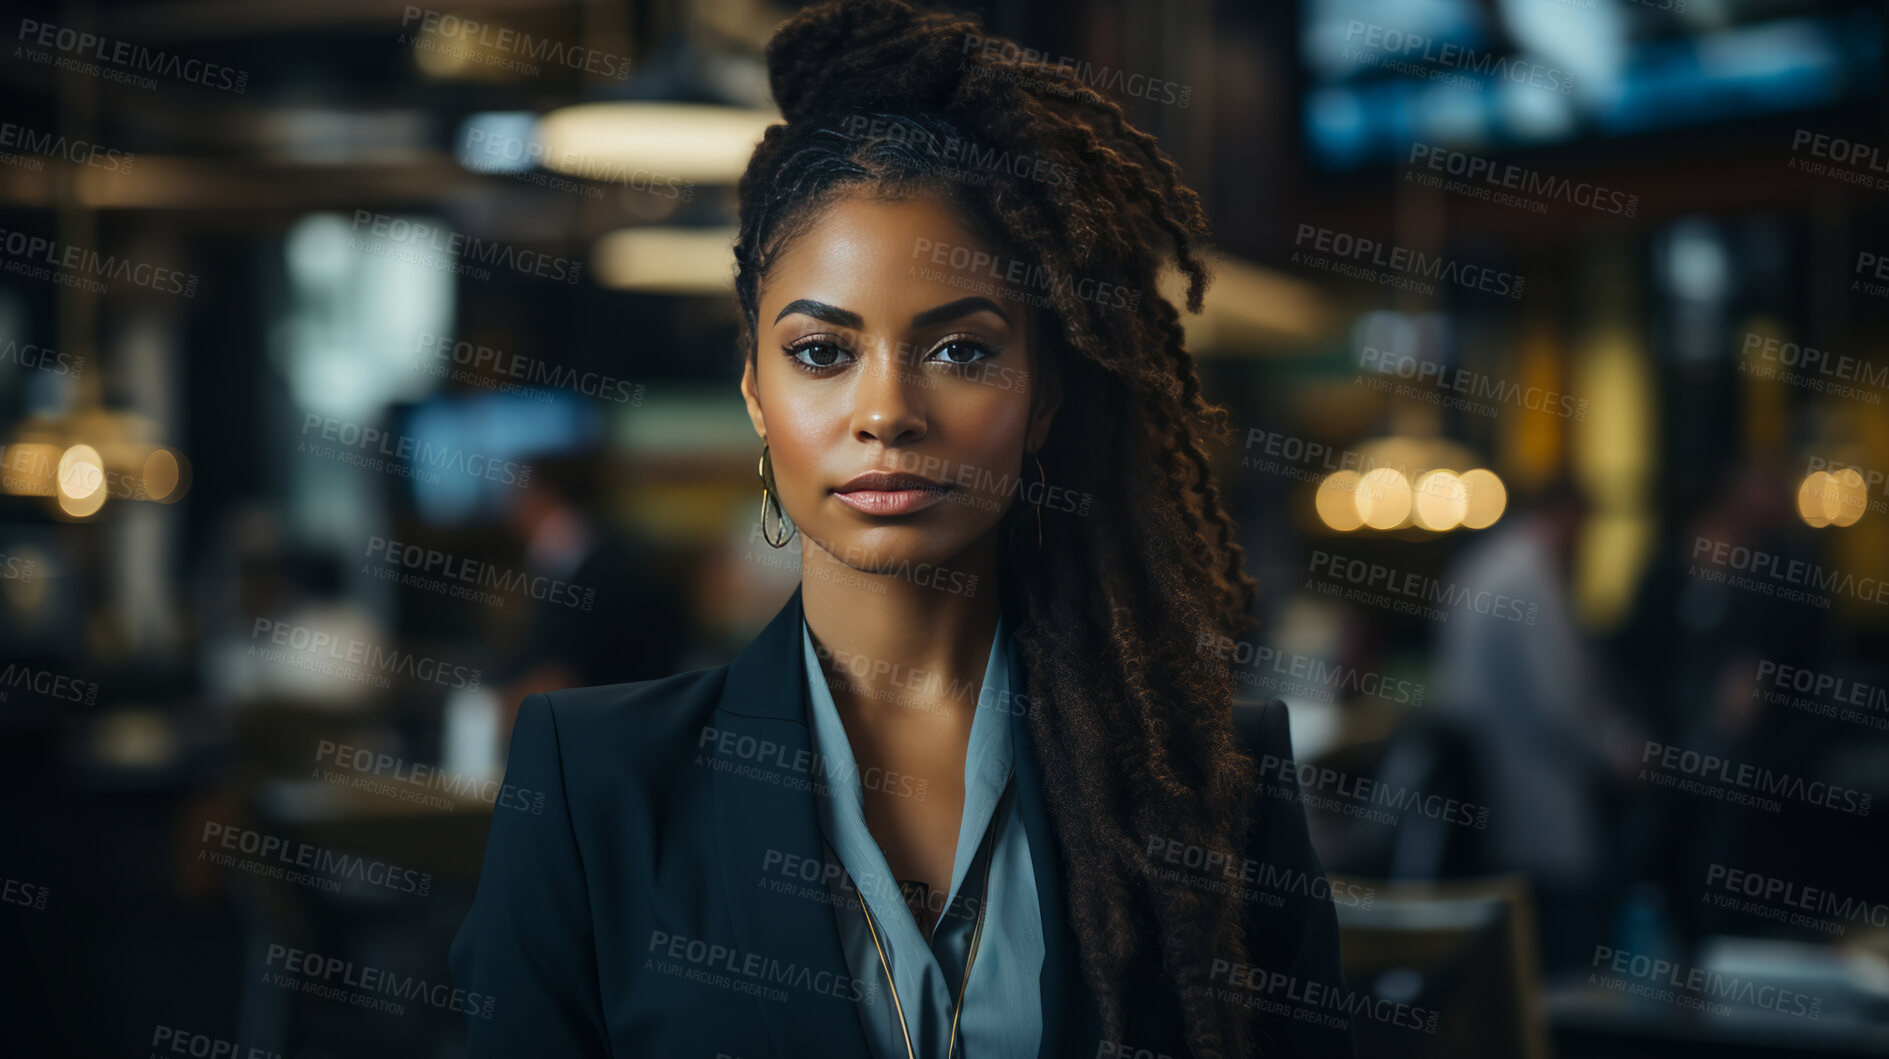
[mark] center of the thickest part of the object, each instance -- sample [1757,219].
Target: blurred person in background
[1695,645]
[1523,685]
[260,587]
[986,688]
[608,612]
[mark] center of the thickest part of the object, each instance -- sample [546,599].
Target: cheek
[804,425]
[798,440]
[988,435]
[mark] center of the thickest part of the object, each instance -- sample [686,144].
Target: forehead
[873,256]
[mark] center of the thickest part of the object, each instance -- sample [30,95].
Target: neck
[907,641]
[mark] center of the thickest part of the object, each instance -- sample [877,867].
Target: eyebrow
[839,317]
[832,314]
[961,307]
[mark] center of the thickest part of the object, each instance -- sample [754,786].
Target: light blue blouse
[1003,1014]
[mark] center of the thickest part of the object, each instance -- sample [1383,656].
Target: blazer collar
[764,813]
[765,809]
[760,680]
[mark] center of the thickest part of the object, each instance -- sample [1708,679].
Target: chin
[895,547]
[867,549]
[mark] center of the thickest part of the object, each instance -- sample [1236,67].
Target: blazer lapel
[764,808]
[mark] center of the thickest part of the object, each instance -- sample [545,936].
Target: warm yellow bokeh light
[1337,501]
[1383,498]
[1441,501]
[81,472]
[1817,499]
[702,142]
[81,481]
[1852,497]
[1486,498]
[161,474]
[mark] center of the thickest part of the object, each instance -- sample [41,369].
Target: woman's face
[871,360]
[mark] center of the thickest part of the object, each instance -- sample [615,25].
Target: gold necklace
[977,931]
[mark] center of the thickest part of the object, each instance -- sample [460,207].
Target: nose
[888,405]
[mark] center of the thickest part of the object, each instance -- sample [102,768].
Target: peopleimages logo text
[759,968]
[48,684]
[505,39]
[1692,986]
[467,248]
[1414,586]
[432,561]
[370,763]
[321,646]
[421,453]
[278,854]
[1470,382]
[1786,573]
[130,57]
[997,50]
[1457,56]
[1796,896]
[1318,779]
[1359,256]
[52,145]
[376,982]
[86,262]
[174,1040]
[1508,176]
[1308,668]
[958,158]
[1752,780]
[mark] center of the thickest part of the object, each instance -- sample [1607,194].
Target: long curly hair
[1134,734]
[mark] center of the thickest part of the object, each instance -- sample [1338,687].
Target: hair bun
[861,55]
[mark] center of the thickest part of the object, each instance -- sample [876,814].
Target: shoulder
[1294,926]
[1280,834]
[1264,731]
[621,725]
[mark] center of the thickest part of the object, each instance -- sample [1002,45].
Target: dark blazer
[640,894]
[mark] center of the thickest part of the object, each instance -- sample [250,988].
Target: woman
[976,789]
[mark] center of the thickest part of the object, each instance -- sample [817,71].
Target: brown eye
[816,356]
[972,352]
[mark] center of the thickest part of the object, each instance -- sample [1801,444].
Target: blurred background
[365,367]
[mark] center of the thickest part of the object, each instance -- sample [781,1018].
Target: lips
[883,493]
[887,481]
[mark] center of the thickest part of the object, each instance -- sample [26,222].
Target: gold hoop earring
[770,499]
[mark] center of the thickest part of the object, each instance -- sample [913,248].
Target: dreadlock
[1134,736]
